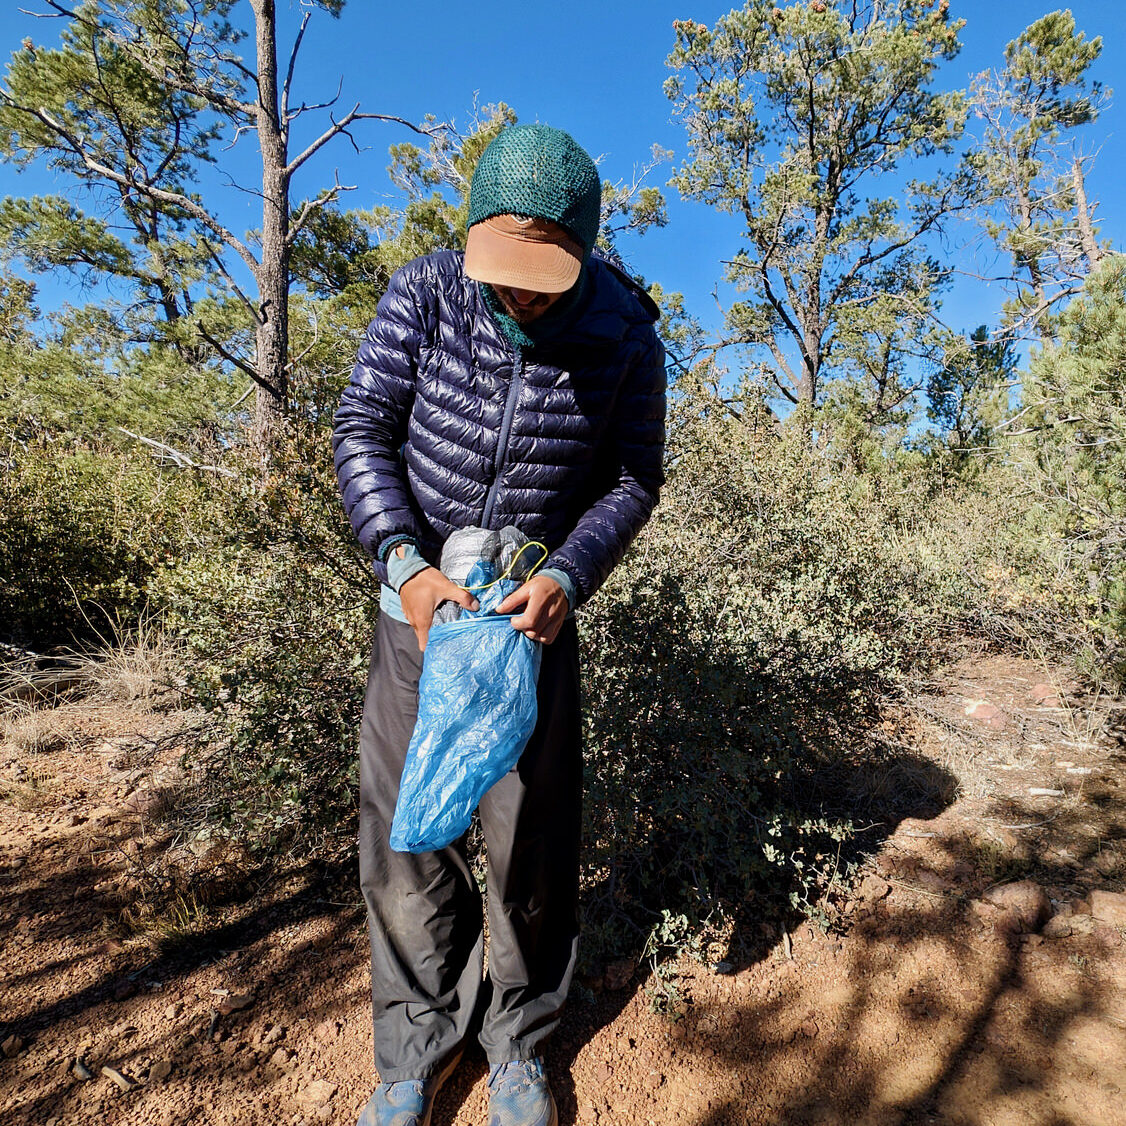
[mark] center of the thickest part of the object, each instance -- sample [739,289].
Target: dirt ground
[973,973]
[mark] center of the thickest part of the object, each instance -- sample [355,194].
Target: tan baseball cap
[523,253]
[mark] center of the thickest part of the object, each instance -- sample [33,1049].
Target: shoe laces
[516,1073]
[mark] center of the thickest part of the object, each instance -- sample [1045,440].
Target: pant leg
[532,822]
[424,911]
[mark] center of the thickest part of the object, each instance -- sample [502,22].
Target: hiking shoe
[407,1102]
[519,1095]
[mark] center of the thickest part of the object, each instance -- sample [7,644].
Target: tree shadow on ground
[939,1008]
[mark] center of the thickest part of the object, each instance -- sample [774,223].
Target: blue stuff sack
[476,711]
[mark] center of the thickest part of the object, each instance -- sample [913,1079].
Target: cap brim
[500,259]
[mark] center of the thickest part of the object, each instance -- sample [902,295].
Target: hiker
[523,384]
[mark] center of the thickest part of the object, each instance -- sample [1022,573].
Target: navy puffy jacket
[446,425]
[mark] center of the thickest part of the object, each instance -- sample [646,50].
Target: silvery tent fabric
[470,546]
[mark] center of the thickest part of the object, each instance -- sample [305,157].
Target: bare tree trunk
[1031,261]
[272,332]
[1091,249]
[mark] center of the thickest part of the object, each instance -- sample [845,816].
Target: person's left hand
[545,608]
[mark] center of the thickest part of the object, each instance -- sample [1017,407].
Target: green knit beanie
[541,173]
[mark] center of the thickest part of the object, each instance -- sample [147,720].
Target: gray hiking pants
[424,911]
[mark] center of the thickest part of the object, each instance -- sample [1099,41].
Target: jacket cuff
[564,580]
[383,552]
[399,570]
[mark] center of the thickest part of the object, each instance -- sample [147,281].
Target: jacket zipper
[505,433]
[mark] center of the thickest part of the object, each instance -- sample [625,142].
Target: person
[523,384]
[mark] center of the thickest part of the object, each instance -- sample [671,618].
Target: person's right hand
[423,593]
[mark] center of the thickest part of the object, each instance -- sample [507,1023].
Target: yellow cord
[508,569]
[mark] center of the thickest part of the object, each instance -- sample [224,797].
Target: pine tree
[134,98]
[797,117]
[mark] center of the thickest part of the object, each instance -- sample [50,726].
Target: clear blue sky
[595,69]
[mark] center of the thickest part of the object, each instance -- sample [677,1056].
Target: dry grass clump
[139,667]
[33,731]
[142,669]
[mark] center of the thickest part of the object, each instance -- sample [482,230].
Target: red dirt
[921,1004]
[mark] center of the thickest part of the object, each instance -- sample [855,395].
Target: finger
[519,597]
[533,621]
[422,629]
[463,597]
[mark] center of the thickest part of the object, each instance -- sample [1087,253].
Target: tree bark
[1031,261]
[272,332]
[1091,249]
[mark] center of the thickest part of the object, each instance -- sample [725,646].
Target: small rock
[1081,922]
[1026,900]
[81,1071]
[1107,862]
[1108,907]
[168,777]
[117,1077]
[274,1034]
[236,1002]
[144,803]
[1045,792]
[317,1093]
[327,1030]
[124,989]
[1058,926]
[986,713]
[160,1071]
[173,1011]
[12,1046]
[872,888]
[931,881]
[281,1058]
[619,974]
[1106,936]
[809,1028]
[1044,694]
[724,969]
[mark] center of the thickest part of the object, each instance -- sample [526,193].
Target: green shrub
[81,531]
[277,612]
[769,605]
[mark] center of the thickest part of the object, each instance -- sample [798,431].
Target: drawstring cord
[508,570]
